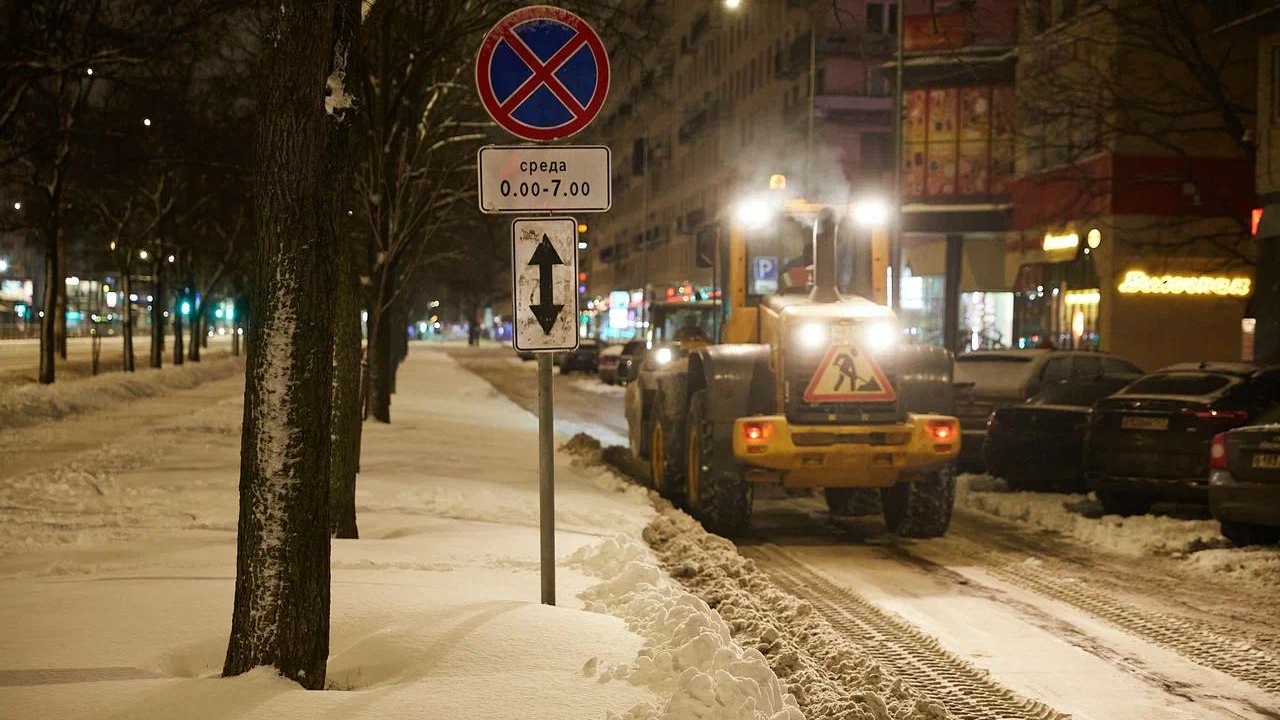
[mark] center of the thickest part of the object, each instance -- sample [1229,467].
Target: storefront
[986,302]
[1154,309]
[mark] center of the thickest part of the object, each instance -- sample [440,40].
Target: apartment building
[1134,180]
[732,94]
[1262,20]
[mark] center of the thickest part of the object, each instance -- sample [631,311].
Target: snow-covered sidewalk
[117,573]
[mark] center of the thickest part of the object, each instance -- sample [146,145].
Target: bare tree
[281,615]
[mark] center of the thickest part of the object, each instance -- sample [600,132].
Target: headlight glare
[812,335]
[881,336]
[663,356]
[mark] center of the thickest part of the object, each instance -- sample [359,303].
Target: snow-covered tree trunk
[281,615]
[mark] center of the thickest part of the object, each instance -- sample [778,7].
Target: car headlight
[663,356]
[812,335]
[881,336]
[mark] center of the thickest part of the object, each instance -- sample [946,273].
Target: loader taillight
[941,430]
[757,431]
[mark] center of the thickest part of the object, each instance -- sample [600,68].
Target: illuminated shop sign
[1138,282]
[1084,297]
[1070,241]
[1060,242]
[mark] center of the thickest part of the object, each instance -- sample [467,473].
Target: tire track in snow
[919,659]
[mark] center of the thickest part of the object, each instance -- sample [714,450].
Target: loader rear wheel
[853,501]
[665,459]
[921,509]
[716,492]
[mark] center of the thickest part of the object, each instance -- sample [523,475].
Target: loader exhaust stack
[824,258]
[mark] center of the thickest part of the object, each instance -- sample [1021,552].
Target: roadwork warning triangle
[847,374]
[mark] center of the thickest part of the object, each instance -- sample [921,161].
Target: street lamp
[142,255]
[4,265]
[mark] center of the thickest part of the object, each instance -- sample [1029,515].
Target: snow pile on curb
[1137,536]
[828,675]
[690,656]
[28,404]
[1196,542]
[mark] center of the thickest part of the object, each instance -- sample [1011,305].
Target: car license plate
[1133,422]
[1266,460]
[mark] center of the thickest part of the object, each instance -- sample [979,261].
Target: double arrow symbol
[545,256]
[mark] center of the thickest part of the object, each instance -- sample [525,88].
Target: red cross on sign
[542,73]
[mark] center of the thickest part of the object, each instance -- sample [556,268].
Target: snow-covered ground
[1196,544]
[117,573]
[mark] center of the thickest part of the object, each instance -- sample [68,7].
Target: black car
[1244,481]
[584,359]
[1039,444]
[1150,441]
[987,380]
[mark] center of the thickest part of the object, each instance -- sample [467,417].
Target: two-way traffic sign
[544,272]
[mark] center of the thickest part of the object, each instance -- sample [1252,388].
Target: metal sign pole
[546,480]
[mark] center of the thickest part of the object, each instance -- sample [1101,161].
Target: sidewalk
[117,574]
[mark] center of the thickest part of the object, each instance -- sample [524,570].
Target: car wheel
[1245,534]
[1118,502]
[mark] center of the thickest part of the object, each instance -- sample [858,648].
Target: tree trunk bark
[197,329]
[48,323]
[281,612]
[399,342]
[378,367]
[178,355]
[126,323]
[60,322]
[157,313]
[345,450]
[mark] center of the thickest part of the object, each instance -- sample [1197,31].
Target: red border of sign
[884,395]
[484,84]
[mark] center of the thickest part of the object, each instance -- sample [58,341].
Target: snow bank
[1197,542]
[828,675]
[27,404]
[689,658]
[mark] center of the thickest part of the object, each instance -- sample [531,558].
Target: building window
[882,18]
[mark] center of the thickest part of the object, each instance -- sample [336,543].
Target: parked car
[583,359]
[1244,481]
[1151,441]
[987,380]
[1039,444]
[607,364]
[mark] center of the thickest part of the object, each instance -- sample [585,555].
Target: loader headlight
[881,336]
[812,335]
[662,356]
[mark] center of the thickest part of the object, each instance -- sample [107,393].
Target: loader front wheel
[921,508]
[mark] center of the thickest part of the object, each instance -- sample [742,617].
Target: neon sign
[1138,282]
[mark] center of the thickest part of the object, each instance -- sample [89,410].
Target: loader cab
[766,250]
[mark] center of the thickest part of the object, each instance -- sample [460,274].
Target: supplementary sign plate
[848,374]
[544,273]
[533,178]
